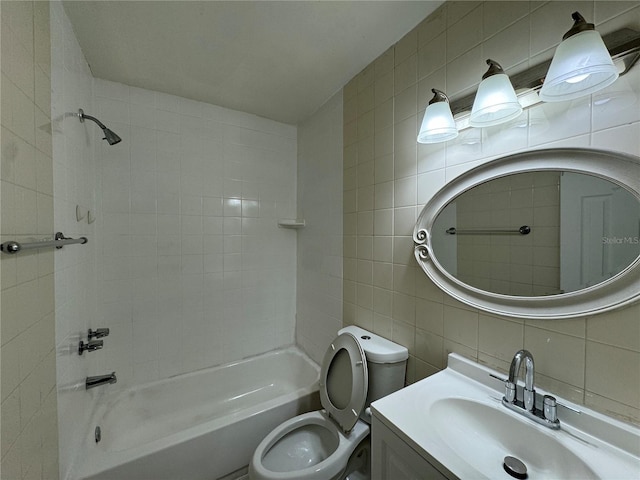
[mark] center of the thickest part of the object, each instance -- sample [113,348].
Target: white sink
[456,421]
[482,435]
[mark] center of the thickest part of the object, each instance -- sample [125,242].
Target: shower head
[109,136]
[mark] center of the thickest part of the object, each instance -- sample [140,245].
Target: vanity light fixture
[623,48]
[438,124]
[581,64]
[496,100]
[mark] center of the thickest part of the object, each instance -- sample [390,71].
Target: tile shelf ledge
[294,223]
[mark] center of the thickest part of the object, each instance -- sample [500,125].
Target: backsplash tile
[606,366]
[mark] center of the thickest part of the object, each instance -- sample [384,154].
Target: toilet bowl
[309,446]
[318,445]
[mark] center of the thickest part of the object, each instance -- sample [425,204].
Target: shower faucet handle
[98,333]
[90,346]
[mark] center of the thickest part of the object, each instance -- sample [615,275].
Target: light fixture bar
[622,44]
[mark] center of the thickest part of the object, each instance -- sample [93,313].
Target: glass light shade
[495,102]
[581,65]
[438,124]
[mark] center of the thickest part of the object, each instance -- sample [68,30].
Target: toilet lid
[344,381]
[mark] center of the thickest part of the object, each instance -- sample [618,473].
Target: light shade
[438,124]
[581,65]
[495,100]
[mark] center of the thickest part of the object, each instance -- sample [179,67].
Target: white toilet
[359,367]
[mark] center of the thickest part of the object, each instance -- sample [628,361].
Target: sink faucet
[546,416]
[529,393]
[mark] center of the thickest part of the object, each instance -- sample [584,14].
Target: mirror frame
[621,289]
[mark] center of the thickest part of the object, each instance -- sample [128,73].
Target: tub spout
[100,380]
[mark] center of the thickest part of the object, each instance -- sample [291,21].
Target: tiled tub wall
[74,180]
[194,270]
[388,177]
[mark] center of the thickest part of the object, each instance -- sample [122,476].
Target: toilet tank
[386,363]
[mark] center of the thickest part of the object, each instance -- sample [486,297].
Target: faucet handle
[91,346]
[509,388]
[550,408]
[98,333]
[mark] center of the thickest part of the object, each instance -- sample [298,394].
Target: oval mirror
[542,234]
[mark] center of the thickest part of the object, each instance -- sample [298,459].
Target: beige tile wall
[28,370]
[388,177]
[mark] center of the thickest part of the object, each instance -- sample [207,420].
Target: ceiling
[277,59]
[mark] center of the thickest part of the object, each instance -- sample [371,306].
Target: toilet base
[359,465]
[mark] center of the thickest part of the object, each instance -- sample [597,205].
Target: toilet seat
[344,363]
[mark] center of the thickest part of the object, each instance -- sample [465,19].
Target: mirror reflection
[538,233]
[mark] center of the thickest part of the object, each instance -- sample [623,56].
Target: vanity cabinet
[393,458]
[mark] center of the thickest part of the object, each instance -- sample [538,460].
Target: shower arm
[111,137]
[83,115]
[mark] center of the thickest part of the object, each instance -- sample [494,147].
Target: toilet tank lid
[376,348]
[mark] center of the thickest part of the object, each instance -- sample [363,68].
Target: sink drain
[514,467]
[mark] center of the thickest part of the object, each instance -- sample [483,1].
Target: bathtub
[201,425]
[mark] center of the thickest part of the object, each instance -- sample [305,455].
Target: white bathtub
[202,425]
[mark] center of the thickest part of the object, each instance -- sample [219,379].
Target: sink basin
[455,421]
[482,435]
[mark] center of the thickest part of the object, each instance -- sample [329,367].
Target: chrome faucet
[529,392]
[93,382]
[546,416]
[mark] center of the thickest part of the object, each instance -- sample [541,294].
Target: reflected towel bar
[59,241]
[523,230]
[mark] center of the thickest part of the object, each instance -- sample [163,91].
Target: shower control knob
[90,346]
[98,333]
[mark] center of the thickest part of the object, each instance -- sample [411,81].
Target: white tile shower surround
[196,271]
[74,181]
[388,178]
